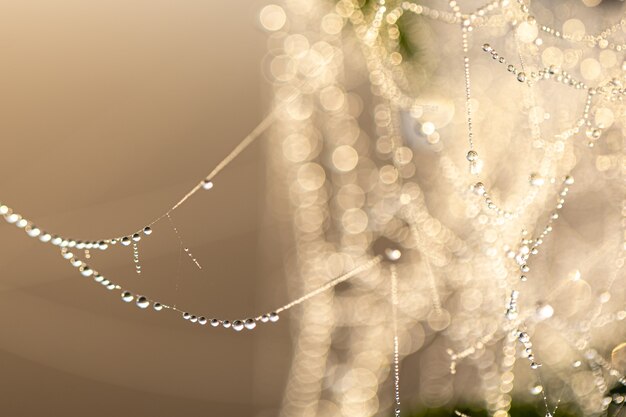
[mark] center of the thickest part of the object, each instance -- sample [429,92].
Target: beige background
[109,112]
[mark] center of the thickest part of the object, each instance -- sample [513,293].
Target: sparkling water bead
[479,188]
[186,316]
[127,296]
[136,237]
[226,324]
[125,241]
[472,156]
[85,271]
[12,218]
[521,77]
[193,319]
[238,325]
[249,324]
[202,320]
[157,306]
[215,322]
[273,317]
[536,180]
[265,318]
[392,254]
[142,302]
[147,231]
[593,133]
[207,185]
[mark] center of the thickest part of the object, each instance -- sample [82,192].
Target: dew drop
[127,296]
[142,302]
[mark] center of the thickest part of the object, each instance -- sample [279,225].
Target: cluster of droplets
[35,232]
[135,237]
[549,73]
[86,271]
[236,325]
[601,40]
[524,339]
[141,301]
[612,90]
[511,309]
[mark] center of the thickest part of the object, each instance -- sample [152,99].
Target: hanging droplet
[511,314]
[186,316]
[265,318]
[273,317]
[479,188]
[536,390]
[472,156]
[12,218]
[147,231]
[85,271]
[249,324]
[238,325]
[226,324]
[142,302]
[536,180]
[193,319]
[569,180]
[158,306]
[521,77]
[202,320]
[215,322]
[136,237]
[33,231]
[125,241]
[593,133]
[545,311]
[393,254]
[207,185]
[127,296]
[136,257]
